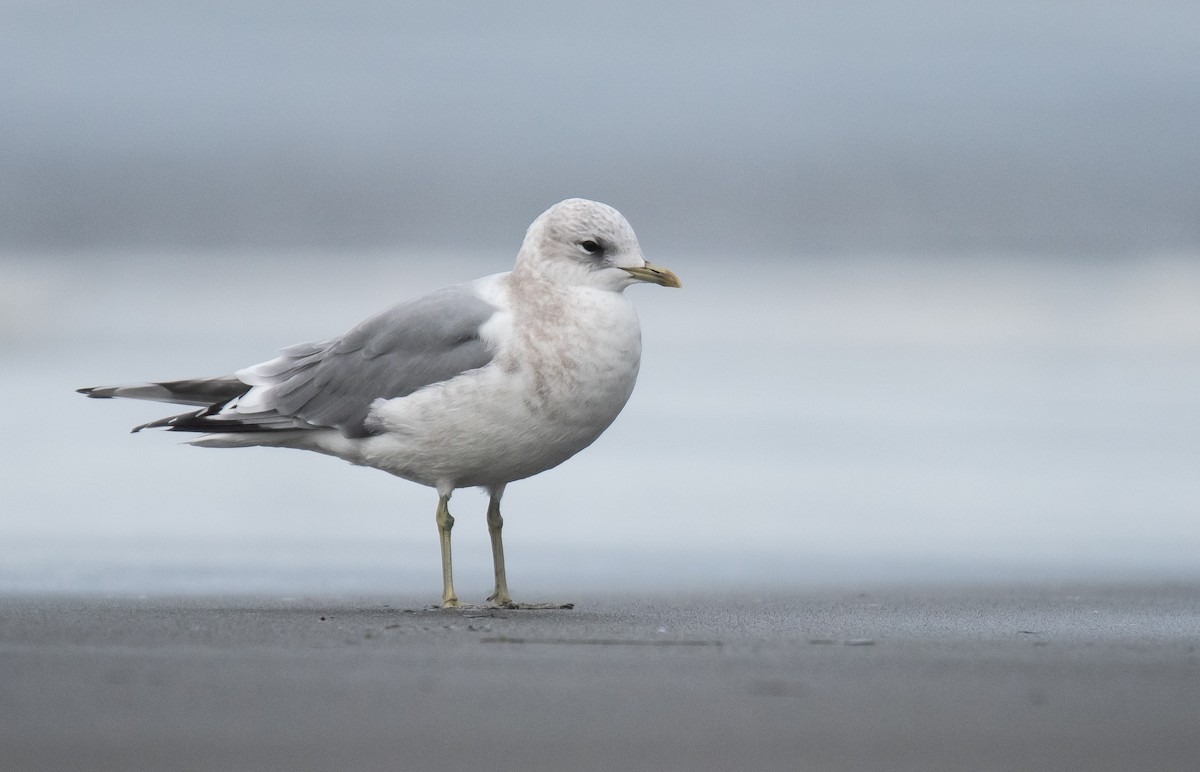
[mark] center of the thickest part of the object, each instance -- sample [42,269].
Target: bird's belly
[498,424]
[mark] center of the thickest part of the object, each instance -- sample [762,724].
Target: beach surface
[921,678]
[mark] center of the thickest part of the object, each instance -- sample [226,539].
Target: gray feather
[334,382]
[197,391]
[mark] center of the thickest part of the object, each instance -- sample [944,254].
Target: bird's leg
[495,523]
[444,523]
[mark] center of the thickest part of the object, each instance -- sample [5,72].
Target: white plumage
[479,384]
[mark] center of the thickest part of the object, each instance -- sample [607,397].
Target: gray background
[941,315]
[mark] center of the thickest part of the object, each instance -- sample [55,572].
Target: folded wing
[333,383]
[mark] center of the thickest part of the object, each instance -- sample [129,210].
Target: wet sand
[950,678]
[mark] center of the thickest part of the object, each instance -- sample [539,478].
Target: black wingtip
[86,392]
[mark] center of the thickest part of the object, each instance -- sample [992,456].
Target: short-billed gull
[477,384]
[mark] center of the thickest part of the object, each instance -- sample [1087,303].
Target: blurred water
[799,419]
[941,315]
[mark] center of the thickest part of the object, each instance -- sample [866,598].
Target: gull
[474,385]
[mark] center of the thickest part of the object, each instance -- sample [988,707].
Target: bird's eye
[590,247]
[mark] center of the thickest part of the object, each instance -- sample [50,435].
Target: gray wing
[334,382]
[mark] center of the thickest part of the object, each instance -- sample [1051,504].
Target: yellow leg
[444,523]
[495,524]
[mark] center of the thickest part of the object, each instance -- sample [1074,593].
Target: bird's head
[583,242]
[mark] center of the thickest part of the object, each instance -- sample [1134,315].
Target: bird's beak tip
[655,275]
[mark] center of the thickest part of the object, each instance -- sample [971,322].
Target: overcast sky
[895,127]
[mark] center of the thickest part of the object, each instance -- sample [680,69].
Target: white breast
[566,363]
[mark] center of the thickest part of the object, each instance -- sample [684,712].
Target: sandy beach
[972,677]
